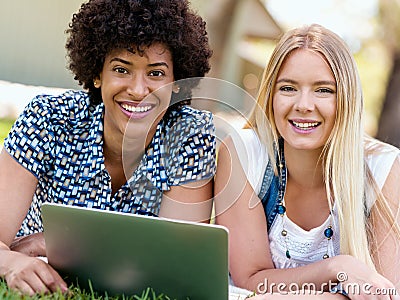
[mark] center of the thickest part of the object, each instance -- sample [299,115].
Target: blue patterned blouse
[60,140]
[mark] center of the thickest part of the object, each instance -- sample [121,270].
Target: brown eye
[156,73]
[120,70]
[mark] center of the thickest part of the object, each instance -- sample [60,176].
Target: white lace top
[304,246]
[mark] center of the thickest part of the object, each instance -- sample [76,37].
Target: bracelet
[339,289]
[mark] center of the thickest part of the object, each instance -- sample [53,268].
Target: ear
[176,88]
[97,83]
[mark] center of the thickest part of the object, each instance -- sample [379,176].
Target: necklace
[328,232]
[281,210]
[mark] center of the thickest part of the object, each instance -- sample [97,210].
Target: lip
[135,110]
[304,126]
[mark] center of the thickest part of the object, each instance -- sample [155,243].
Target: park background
[242,34]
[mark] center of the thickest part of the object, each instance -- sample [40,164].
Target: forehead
[305,61]
[156,51]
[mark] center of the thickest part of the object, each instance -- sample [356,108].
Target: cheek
[107,88]
[330,113]
[278,118]
[163,96]
[280,109]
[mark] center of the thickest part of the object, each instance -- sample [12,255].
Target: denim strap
[273,188]
[269,194]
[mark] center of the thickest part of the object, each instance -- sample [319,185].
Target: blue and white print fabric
[59,139]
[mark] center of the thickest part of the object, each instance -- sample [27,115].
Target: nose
[304,102]
[138,87]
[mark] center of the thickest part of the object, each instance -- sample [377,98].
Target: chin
[304,146]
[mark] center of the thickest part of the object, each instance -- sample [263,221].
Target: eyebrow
[157,64]
[321,82]
[120,60]
[286,80]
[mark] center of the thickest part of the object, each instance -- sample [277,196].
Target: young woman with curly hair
[125,143]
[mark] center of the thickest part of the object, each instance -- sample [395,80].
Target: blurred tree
[389,121]
[220,18]
[233,27]
[230,23]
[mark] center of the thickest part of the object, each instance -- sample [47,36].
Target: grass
[77,294]
[5,126]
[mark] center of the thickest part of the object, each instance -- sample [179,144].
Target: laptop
[124,254]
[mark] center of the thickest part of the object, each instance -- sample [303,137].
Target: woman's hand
[29,275]
[31,245]
[360,281]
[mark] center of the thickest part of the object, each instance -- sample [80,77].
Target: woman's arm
[191,201]
[21,272]
[31,245]
[238,208]
[250,263]
[387,255]
[17,186]
[190,165]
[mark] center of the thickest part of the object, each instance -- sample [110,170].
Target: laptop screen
[125,254]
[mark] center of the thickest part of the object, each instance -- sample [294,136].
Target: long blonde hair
[343,153]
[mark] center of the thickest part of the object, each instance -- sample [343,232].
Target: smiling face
[128,83]
[304,100]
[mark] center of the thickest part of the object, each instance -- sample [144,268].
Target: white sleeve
[380,163]
[252,155]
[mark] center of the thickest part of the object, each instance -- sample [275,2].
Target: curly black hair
[101,26]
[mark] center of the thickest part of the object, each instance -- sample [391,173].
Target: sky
[351,19]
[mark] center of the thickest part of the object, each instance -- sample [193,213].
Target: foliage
[5,126]
[77,294]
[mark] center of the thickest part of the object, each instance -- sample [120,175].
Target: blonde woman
[309,200]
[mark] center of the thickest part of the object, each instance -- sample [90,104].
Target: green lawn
[76,294]
[5,126]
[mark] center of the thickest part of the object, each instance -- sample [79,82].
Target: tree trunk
[219,17]
[389,122]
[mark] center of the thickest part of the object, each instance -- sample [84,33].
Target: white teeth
[136,109]
[305,125]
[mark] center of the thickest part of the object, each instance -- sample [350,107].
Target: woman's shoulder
[69,98]
[187,128]
[246,136]
[186,123]
[380,158]
[187,115]
[252,154]
[69,108]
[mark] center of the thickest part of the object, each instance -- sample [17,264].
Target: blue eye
[286,89]
[325,90]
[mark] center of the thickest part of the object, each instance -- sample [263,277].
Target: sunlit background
[242,34]
[356,22]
